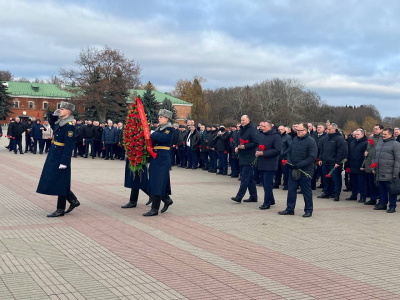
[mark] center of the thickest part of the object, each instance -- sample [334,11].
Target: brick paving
[205,246]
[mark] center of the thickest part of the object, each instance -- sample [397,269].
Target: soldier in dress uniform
[56,173]
[159,182]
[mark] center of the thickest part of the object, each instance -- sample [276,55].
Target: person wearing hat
[56,174]
[159,182]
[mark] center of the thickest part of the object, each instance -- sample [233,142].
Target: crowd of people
[295,158]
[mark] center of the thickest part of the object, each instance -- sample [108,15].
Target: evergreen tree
[150,105]
[167,104]
[5,101]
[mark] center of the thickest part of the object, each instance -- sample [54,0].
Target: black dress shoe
[166,205]
[323,196]
[361,201]
[380,207]
[351,198]
[307,215]
[250,200]
[57,213]
[149,202]
[262,207]
[336,198]
[276,186]
[151,212]
[129,205]
[74,203]
[286,213]
[236,199]
[391,210]
[370,202]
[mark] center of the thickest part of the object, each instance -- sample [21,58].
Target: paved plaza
[204,247]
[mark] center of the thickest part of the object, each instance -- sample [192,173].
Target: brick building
[36,99]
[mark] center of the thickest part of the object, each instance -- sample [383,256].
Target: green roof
[36,90]
[55,91]
[159,97]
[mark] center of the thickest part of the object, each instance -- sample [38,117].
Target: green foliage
[167,104]
[5,101]
[150,105]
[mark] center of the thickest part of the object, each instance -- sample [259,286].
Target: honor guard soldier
[159,182]
[56,174]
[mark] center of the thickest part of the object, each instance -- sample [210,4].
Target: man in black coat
[175,161]
[204,146]
[286,140]
[248,138]
[233,156]
[358,146]
[192,142]
[333,152]
[78,143]
[212,144]
[28,142]
[222,146]
[10,146]
[181,146]
[89,131]
[16,132]
[267,162]
[301,158]
[318,171]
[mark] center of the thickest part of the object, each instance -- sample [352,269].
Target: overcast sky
[346,50]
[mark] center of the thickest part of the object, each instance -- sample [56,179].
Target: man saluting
[56,173]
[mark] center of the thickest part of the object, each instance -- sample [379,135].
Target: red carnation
[261,147]
[328,176]
[247,141]
[371,141]
[183,143]
[242,142]
[284,161]
[207,147]
[347,170]
[225,152]
[231,140]
[374,165]
[200,146]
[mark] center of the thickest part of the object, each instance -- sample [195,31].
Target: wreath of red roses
[134,140]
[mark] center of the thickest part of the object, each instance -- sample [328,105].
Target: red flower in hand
[183,143]
[371,141]
[206,147]
[374,165]
[225,152]
[261,147]
[328,176]
[242,142]
[231,140]
[200,146]
[247,141]
[347,170]
[284,161]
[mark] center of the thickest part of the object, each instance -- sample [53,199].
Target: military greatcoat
[55,181]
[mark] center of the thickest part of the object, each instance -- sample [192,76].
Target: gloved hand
[56,112]
[62,167]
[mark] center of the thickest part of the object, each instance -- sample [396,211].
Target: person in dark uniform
[159,182]
[135,181]
[56,173]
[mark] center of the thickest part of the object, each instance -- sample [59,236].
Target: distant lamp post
[24,113]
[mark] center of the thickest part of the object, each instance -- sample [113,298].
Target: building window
[16,104]
[30,104]
[45,105]
[58,105]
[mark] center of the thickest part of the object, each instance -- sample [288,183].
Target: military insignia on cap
[167,131]
[70,133]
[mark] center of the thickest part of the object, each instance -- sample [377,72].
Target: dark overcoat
[54,181]
[139,181]
[159,182]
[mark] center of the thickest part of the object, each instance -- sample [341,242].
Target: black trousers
[62,200]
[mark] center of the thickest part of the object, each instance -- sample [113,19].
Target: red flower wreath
[134,141]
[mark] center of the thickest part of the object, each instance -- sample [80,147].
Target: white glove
[56,112]
[62,167]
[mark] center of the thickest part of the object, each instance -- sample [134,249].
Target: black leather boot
[71,198]
[133,199]
[167,202]
[57,213]
[155,206]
